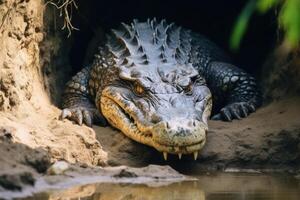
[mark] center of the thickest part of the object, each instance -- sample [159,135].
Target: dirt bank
[267,139]
[31,136]
[28,77]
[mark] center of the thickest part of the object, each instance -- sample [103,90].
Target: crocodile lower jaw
[119,119]
[187,149]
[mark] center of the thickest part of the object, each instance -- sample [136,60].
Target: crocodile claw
[234,111]
[82,115]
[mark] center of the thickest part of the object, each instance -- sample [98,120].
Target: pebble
[58,168]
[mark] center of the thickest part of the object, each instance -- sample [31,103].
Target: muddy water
[231,186]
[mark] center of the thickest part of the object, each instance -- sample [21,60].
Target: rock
[16,181]
[58,168]
[39,160]
[124,173]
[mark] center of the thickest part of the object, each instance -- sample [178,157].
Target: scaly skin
[153,81]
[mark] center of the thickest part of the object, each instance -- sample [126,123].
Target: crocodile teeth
[195,155]
[165,155]
[179,156]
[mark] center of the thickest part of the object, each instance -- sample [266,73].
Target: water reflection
[208,187]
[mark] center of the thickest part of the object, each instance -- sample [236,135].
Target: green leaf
[265,5]
[241,25]
[289,19]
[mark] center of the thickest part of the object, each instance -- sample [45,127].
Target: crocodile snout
[179,136]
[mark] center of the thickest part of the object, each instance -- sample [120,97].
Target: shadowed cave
[94,18]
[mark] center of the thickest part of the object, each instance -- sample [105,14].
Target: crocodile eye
[138,89]
[189,88]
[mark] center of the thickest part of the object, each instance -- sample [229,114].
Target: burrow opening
[214,19]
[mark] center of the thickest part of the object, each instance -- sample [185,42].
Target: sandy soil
[44,132]
[31,136]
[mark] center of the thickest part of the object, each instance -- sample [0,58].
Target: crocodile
[158,83]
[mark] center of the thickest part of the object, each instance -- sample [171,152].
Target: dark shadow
[19,163]
[214,19]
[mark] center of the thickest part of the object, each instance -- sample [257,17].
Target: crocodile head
[158,97]
[165,108]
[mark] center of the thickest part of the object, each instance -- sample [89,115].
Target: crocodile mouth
[119,118]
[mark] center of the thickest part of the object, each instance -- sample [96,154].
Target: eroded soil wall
[30,54]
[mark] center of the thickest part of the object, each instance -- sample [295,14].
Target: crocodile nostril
[155,118]
[167,125]
[192,123]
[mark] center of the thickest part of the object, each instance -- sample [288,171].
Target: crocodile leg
[77,103]
[234,87]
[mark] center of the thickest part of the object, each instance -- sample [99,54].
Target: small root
[65,8]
